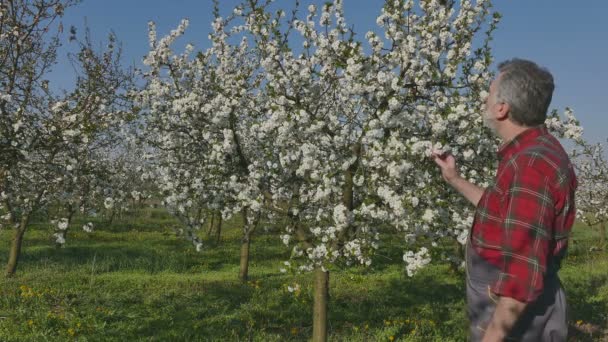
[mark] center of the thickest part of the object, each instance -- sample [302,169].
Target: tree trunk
[460,253]
[319,315]
[211,223]
[245,244]
[244,265]
[218,228]
[603,234]
[112,216]
[15,251]
[348,196]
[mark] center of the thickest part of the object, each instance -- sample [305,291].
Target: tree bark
[244,264]
[348,195]
[459,252]
[15,250]
[211,223]
[603,234]
[245,244]
[319,315]
[218,227]
[112,216]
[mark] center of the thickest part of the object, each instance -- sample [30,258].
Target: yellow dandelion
[391,338]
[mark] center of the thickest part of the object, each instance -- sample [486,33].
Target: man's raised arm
[447,163]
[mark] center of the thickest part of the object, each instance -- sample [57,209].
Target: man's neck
[509,131]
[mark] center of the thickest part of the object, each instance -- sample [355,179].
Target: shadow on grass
[265,250]
[104,258]
[429,296]
[587,298]
[146,252]
[240,311]
[212,311]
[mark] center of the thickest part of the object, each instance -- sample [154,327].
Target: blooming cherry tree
[48,142]
[592,194]
[26,149]
[92,121]
[354,123]
[201,114]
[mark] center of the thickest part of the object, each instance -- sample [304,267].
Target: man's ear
[503,111]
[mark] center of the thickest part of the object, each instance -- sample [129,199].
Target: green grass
[135,280]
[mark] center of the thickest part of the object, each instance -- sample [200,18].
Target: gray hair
[527,88]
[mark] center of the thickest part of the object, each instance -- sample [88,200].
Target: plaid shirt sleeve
[527,208]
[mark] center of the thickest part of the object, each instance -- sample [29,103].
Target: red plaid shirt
[523,220]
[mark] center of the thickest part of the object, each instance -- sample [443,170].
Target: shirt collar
[513,146]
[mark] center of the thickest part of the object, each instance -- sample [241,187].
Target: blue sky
[567,37]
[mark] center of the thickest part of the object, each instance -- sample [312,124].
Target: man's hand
[447,163]
[450,174]
[506,314]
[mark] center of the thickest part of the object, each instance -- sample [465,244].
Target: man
[522,221]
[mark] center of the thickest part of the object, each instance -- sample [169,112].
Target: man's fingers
[439,161]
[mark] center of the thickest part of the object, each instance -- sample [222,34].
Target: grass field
[135,280]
